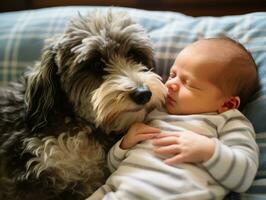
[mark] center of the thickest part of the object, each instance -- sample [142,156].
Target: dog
[57,124]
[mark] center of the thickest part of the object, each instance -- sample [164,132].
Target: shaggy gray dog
[91,84]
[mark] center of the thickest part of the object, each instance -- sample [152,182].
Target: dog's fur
[92,82]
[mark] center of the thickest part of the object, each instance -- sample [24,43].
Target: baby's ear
[230,103]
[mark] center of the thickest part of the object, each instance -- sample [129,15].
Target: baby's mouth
[170,100]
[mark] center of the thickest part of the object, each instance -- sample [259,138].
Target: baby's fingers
[149,129]
[170,149]
[164,141]
[143,128]
[168,134]
[145,136]
[174,160]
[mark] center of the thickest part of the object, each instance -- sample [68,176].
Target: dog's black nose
[141,95]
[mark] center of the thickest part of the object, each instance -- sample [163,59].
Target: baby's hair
[241,46]
[241,78]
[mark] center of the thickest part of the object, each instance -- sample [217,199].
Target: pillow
[22,35]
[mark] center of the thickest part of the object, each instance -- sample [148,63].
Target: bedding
[22,36]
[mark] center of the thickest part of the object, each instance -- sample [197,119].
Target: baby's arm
[115,156]
[137,133]
[235,160]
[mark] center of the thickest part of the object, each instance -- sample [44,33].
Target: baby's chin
[175,111]
[169,109]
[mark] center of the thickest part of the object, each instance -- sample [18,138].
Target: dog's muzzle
[141,95]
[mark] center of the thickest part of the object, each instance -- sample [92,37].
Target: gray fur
[57,125]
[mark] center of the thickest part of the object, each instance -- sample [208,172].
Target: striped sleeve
[235,160]
[115,156]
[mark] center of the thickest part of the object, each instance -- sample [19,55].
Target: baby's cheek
[184,95]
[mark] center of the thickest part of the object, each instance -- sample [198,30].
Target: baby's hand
[186,147]
[138,132]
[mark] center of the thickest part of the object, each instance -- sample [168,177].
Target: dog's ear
[42,83]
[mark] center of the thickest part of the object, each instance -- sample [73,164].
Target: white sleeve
[115,156]
[235,161]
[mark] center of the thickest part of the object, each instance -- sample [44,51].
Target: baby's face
[190,86]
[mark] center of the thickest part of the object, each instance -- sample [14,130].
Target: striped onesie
[139,174]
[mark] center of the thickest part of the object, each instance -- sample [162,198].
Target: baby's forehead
[219,45]
[216,51]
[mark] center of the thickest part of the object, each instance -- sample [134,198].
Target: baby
[202,147]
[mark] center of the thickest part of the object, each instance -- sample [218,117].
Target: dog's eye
[130,54]
[138,56]
[145,69]
[98,64]
[133,55]
[97,67]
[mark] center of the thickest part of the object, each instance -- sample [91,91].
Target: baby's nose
[171,85]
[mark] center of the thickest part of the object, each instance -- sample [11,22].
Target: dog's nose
[141,95]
